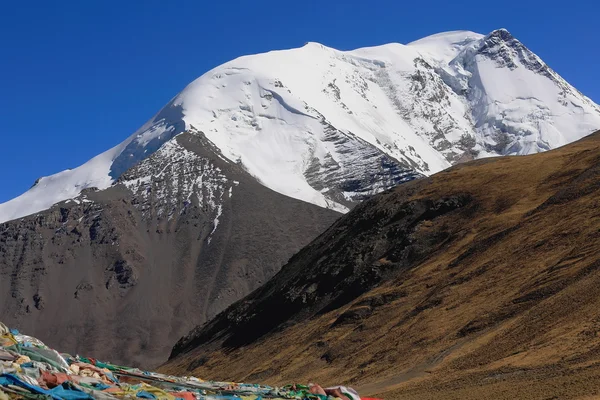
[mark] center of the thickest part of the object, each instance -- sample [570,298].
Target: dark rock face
[339,266]
[504,49]
[123,273]
[363,171]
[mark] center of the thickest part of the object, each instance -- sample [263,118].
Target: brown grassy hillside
[482,281]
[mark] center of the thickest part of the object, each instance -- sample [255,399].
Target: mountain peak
[507,51]
[501,33]
[444,46]
[313,44]
[448,36]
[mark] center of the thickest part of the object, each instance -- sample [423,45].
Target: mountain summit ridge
[293,117]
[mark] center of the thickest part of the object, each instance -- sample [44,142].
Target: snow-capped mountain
[209,198]
[330,127]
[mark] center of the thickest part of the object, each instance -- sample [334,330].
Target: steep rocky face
[479,280]
[357,172]
[122,273]
[506,51]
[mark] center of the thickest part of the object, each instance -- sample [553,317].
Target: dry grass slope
[488,287]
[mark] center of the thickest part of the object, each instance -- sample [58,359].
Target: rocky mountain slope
[121,274]
[332,127]
[481,281]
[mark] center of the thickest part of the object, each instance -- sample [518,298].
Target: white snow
[414,102]
[68,184]
[444,47]
[58,187]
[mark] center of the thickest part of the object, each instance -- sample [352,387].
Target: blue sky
[78,77]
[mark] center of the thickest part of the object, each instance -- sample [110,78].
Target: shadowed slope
[480,281]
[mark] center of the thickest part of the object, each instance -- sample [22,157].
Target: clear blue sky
[77,77]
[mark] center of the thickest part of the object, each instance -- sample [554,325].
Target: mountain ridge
[426,105]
